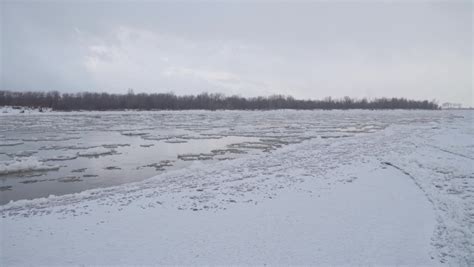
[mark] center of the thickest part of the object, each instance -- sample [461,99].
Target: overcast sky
[419,50]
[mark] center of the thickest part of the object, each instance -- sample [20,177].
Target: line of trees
[170,101]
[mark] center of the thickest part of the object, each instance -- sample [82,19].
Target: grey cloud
[306,49]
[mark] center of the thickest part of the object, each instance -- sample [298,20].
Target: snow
[442,167]
[399,196]
[360,224]
[24,165]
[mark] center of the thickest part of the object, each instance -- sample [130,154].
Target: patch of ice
[23,153]
[12,110]
[147,145]
[10,143]
[133,133]
[95,152]
[24,165]
[62,158]
[50,139]
[115,145]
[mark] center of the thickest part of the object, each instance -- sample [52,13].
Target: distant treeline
[169,101]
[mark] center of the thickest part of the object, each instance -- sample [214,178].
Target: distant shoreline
[9,110]
[168,101]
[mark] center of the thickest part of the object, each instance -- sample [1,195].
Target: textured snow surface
[400,196]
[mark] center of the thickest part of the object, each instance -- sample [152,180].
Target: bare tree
[169,101]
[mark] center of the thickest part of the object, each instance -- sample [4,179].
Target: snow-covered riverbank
[402,195]
[365,223]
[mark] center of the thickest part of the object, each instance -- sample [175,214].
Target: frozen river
[61,153]
[244,187]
